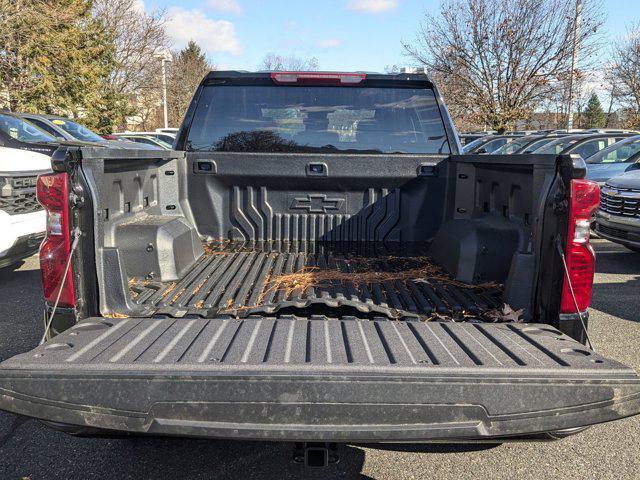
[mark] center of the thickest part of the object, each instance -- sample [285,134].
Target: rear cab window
[317,119]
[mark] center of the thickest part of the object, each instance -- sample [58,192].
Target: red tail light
[581,259]
[53,195]
[318,78]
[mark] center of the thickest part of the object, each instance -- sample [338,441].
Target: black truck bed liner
[241,281]
[317,379]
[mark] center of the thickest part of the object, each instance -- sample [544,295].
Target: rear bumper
[302,380]
[622,230]
[306,408]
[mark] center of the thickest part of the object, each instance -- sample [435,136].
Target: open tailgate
[318,379]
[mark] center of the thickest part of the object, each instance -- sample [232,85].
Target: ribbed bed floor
[240,282]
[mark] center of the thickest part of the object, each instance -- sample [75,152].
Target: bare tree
[271,61]
[497,60]
[558,96]
[624,76]
[137,36]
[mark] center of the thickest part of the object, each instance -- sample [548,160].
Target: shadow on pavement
[154,458]
[618,299]
[618,261]
[21,307]
[611,295]
[12,277]
[8,270]
[433,447]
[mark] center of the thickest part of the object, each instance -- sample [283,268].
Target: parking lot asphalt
[29,450]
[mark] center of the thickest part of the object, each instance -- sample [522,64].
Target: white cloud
[138,6]
[230,6]
[372,6]
[329,43]
[212,35]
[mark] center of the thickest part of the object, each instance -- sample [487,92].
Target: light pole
[164,57]
[574,61]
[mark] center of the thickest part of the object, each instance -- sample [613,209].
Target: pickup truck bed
[238,280]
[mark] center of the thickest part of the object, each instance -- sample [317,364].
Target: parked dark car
[528,143]
[615,160]
[618,218]
[612,130]
[582,144]
[518,144]
[468,137]
[489,143]
[541,142]
[68,129]
[16,132]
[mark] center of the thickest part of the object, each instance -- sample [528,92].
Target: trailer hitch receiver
[316,454]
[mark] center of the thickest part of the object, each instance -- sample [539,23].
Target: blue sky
[341,34]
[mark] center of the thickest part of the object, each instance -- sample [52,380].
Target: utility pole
[611,99]
[164,58]
[164,92]
[574,62]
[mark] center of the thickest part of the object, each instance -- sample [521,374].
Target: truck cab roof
[368,78]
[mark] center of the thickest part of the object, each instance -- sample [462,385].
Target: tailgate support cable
[573,296]
[47,325]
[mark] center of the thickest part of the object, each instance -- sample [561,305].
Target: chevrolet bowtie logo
[319,203]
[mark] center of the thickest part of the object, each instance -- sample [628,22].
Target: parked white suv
[22,219]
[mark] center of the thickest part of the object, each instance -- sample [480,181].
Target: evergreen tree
[185,73]
[55,57]
[594,116]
